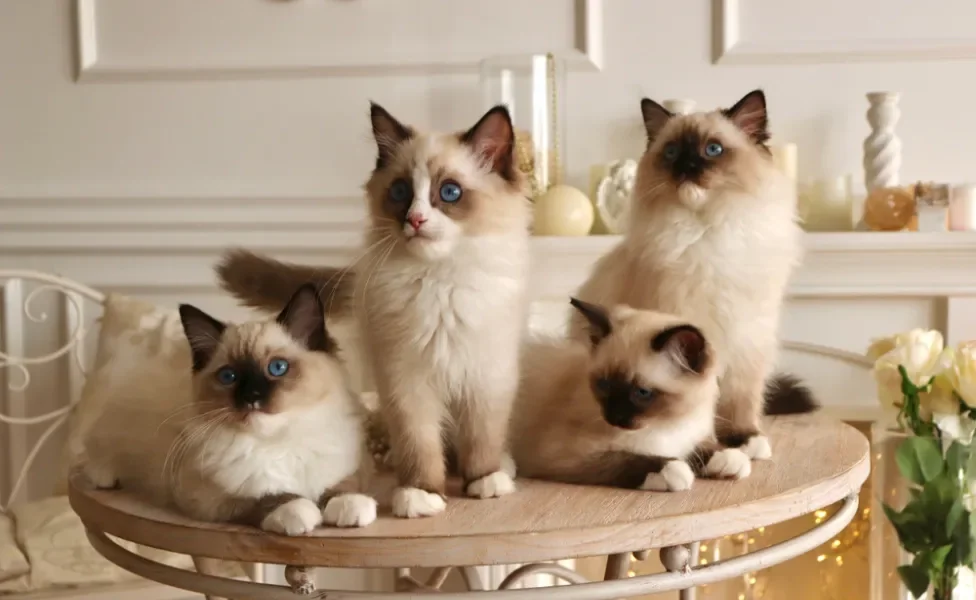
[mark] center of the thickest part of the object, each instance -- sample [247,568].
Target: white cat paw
[295,517]
[676,476]
[508,465]
[410,503]
[729,463]
[349,510]
[492,485]
[758,448]
[100,474]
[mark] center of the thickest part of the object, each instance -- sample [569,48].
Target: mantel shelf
[865,264]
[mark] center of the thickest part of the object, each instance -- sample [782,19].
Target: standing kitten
[713,237]
[440,302]
[270,432]
[635,409]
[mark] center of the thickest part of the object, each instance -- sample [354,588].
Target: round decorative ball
[563,210]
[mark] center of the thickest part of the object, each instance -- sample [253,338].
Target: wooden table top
[816,462]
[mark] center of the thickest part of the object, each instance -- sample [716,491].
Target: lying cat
[635,409]
[268,438]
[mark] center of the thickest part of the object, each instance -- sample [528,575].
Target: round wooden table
[816,462]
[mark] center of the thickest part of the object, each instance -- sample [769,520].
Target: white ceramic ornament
[613,194]
[563,210]
[882,149]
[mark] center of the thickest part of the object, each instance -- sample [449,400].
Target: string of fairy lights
[829,559]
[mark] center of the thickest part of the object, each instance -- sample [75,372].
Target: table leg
[690,593]
[206,566]
[617,566]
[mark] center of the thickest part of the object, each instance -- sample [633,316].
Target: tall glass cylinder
[532,86]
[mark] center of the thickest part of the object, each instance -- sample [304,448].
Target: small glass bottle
[932,207]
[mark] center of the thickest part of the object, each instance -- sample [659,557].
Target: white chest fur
[313,451]
[675,439]
[452,312]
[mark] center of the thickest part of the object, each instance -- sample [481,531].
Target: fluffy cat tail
[262,282]
[787,395]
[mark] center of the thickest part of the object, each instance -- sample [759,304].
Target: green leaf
[919,459]
[936,558]
[907,461]
[915,579]
[953,518]
[957,457]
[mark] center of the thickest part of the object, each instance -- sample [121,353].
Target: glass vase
[532,87]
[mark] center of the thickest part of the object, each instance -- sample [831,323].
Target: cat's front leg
[288,514]
[347,509]
[741,397]
[626,469]
[714,461]
[482,424]
[413,416]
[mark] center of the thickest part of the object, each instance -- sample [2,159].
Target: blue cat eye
[401,191]
[226,376]
[277,367]
[670,151]
[714,149]
[450,192]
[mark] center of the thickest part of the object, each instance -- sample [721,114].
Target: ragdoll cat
[440,299]
[268,438]
[713,238]
[634,408]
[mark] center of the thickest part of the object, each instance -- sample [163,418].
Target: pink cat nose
[416,221]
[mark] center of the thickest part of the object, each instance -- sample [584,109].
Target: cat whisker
[376,266]
[346,270]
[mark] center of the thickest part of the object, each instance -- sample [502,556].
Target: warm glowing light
[761,529]
[878,456]
[703,561]
[820,514]
[835,544]
[840,561]
[752,581]
[703,548]
[752,540]
[867,511]
[742,597]
[822,558]
[631,573]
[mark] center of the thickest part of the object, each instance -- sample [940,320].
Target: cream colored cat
[269,438]
[439,296]
[635,408]
[713,238]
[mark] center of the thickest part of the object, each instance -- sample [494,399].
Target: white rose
[961,374]
[920,352]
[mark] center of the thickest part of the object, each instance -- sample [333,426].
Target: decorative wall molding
[94,62]
[177,238]
[730,48]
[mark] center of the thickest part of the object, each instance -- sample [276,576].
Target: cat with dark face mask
[633,408]
[713,238]
[272,435]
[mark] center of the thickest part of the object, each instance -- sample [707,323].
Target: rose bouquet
[931,392]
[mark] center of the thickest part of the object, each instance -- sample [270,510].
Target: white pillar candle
[784,157]
[828,205]
[962,208]
[679,107]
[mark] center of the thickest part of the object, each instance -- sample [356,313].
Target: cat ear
[203,332]
[597,318]
[685,345]
[388,133]
[749,115]
[493,140]
[655,116]
[304,320]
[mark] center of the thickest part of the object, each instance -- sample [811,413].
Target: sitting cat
[270,433]
[713,237]
[635,409]
[440,299]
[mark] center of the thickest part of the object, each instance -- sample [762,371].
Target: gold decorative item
[531,87]
[890,209]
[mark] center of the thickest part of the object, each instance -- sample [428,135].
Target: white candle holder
[882,148]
